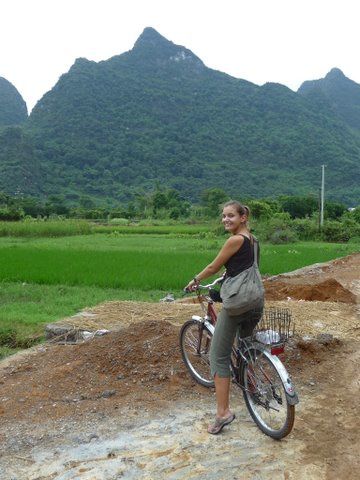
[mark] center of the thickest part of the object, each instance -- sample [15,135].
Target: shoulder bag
[245,291]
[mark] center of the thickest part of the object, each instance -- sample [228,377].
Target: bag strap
[255,245]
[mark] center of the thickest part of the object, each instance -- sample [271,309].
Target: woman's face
[232,220]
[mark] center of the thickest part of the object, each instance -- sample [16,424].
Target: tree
[334,210]
[298,206]
[56,204]
[86,202]
[212,199]
[32,206]
[259,209]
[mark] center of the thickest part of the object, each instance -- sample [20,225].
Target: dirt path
[123,406]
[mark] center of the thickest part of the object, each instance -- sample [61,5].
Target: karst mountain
[157,116]
[13,110]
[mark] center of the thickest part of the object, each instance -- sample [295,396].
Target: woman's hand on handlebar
[192,285]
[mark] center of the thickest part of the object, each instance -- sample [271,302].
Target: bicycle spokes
[265,395]
[195,341]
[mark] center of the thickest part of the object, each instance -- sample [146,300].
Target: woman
[236,255]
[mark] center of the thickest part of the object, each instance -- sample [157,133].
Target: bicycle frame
[210,316]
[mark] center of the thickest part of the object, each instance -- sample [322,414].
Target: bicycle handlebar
[204,287]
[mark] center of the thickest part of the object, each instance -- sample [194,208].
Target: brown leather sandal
[220,423]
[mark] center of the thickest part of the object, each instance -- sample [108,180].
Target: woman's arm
[230,247]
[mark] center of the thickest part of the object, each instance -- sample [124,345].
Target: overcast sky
[284,41]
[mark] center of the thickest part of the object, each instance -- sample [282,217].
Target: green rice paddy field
[43,279]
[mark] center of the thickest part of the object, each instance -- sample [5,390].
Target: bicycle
[268,391]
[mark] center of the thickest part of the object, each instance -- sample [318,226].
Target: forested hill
[13,109]
[158,115]
[342,94]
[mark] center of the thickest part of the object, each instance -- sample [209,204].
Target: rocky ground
[122,405]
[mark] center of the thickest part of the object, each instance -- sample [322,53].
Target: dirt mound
[141,363]
[146,351]
[327,291]
[310,350]
[117,314]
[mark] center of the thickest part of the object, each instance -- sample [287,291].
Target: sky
[283,41]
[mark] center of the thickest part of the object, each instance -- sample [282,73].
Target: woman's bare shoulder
[235,240]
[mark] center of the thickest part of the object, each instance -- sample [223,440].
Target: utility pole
[319,208]
[322,195]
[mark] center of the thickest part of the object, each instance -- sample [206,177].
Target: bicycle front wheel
[265,395]
[195,341]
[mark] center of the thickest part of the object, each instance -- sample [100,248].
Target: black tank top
[241,260]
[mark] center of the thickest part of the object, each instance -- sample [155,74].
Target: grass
[44,279]
[118,242]
[144,263]
[68,227]
[277,259]
[120,269]
[52,228]
[26,308]
[152,229]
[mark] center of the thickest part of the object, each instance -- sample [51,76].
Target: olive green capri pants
[225,330]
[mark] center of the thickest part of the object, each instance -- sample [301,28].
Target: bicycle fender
[293,399]
[291,394]
[206,323]
[210,327]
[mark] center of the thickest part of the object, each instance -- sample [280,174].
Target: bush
[90,214]
[11,213]
[175,213]
[334,210]
[271,229]
[119,221]
[259,209]
[334,231]
[213,199]
[298,206]
[355,214]
[355,240]
[283,236]
[306,229]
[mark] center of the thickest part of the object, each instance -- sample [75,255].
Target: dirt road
[123,405]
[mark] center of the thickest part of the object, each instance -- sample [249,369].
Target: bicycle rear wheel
[195,341]
[265,395]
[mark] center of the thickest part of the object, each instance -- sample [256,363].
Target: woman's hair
[241,209]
